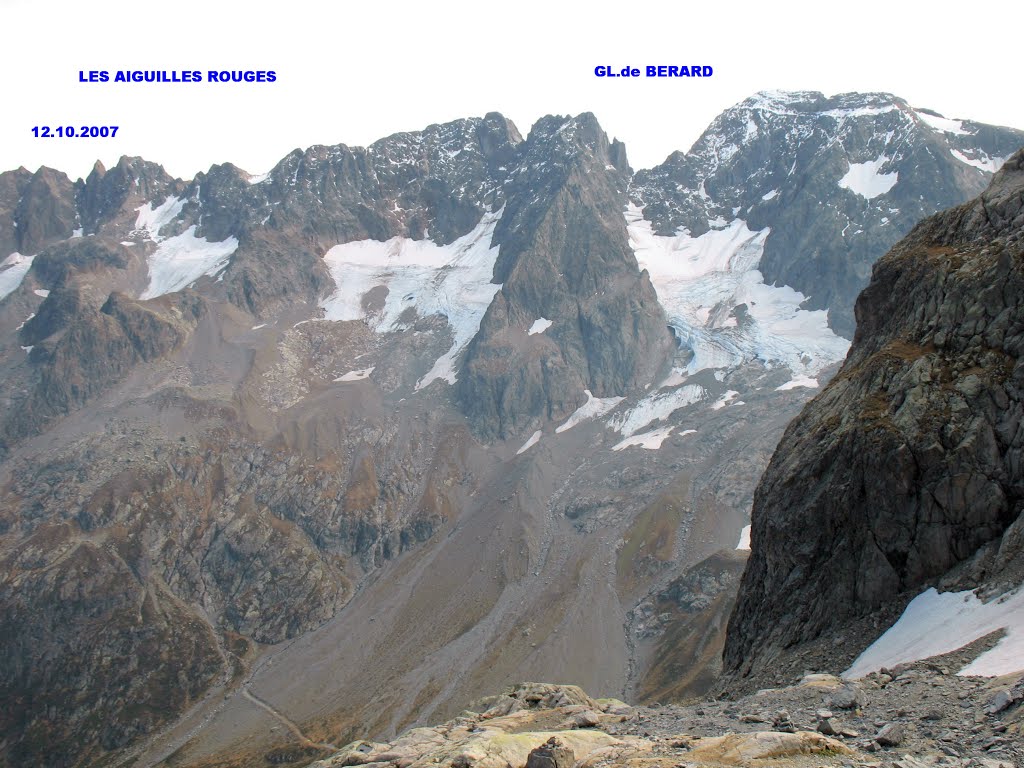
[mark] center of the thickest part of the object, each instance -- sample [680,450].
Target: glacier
[452,280]
[719,306]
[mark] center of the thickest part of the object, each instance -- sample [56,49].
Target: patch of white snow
[593,408]
[181,260]
[529,443]
[651,440]
[152,220]
[982,162]
[656,407]
[798,381]
[935,623]
[723,401]
[452,280]
[744,542]
[540,325]
[943,124]
[864,179]
[13,271]
[355,375]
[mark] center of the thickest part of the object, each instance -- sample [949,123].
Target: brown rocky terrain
[910,717]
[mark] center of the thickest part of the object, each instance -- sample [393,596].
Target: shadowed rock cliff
[910,460]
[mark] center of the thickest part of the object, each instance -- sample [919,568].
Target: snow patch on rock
[798,381]
[865,180]
[152,219]
[943,124]
[651,440]
[529,443]
[13,271]
[723,401]
[595,407]
[744,542]
[540,325]
[982,162]
[179,261]
[355,375]
[935,623]
[656,407]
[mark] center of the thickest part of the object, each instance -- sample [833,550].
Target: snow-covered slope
[451,280]
[939,622]
[719,305]
[13,271]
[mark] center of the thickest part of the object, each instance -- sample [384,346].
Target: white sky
[354,72]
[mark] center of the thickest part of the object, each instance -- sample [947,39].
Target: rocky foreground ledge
[912,717]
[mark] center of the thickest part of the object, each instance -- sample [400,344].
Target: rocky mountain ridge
[417,398]
[776,160]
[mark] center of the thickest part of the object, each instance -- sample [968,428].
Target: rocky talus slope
[906,471]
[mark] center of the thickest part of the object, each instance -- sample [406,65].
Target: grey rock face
[81,351]
[910,460]
[36,209]
[778,160]
[564,256]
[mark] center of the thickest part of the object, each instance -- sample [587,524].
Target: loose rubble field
[915,716]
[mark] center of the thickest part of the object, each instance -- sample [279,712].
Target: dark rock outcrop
[80,351]
[106,194]
[911,459]
[36,209]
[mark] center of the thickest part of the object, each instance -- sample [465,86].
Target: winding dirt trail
[285,721]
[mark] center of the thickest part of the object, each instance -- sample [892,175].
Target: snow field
[178,261]
[935,623]
[865,180]
[452,280]
[702,283]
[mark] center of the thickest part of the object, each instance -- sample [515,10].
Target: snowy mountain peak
[836,179]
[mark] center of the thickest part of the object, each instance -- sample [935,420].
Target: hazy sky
[354,72]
